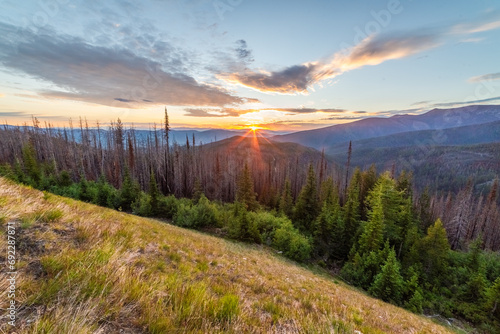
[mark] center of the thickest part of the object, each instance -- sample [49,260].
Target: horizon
[214,68]
[28,122]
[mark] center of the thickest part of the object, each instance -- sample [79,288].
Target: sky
[279,65]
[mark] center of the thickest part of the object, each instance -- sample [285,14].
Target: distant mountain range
[328,137]
[463,135]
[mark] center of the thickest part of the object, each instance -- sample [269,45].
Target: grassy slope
[86,269]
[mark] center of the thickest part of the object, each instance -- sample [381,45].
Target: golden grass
[95,270]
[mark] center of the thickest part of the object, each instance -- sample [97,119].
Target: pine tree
[329,231]
[367,183]
[197,191]
[493,299]
[154,194]
[31,164]
[388,284]
[286,200]
[245,193]
[104,192]
[434,252]
[84,192]
[372,237]
[327,191]
[307,208]
[129,192]
[351,210]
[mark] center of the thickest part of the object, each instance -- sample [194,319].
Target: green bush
[168,206]
[242,226]
[293,244]
[267,223]
[202,214]
[142,206]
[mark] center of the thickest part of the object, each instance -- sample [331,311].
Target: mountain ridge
[376,126]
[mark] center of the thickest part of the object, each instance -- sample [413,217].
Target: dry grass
[94,270]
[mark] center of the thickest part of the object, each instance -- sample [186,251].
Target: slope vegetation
[86,269]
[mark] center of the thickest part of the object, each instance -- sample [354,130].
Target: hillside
[265,150]
[378,127]
[86,269]
[445,168]
[464,135]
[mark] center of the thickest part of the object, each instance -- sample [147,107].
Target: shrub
[194,216]
[168,206]
[242,226]
[142,206]
[293,244]
[267,223]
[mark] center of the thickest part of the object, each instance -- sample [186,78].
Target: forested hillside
[428,253]
[85,269]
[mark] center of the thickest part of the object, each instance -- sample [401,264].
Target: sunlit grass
[87,269]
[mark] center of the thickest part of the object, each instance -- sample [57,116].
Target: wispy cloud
[464,103]
[233,112]
[104,75]
[485,77]
[373,50]
[207,112]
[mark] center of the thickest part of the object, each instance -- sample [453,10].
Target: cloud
[207,112]
[293,79]
[485,77]
[475,27]
[242,51]
[298,78]
[26,114]
[373,50]
[110,76]
[233,112]
[13,114]
[463,103]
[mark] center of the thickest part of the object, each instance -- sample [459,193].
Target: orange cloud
[373,50]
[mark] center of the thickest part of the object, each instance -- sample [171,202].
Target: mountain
[464,135]
[86,269]
[264,150]
[378,127]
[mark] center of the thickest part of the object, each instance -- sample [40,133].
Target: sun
[254,128]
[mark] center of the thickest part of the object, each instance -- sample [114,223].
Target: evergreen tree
[388,284]
[154,194]
[372,237]
[64,179]
[104,193]
[84,190]
[328,192]
[424,210]
[307,208]
[129,192]
[31,164]
[329,231]
[286,200]
[351,211]
[493,300]
[197,191]
[367,182]
[434,252]
[245,192]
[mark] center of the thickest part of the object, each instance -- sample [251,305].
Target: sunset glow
[344,62]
